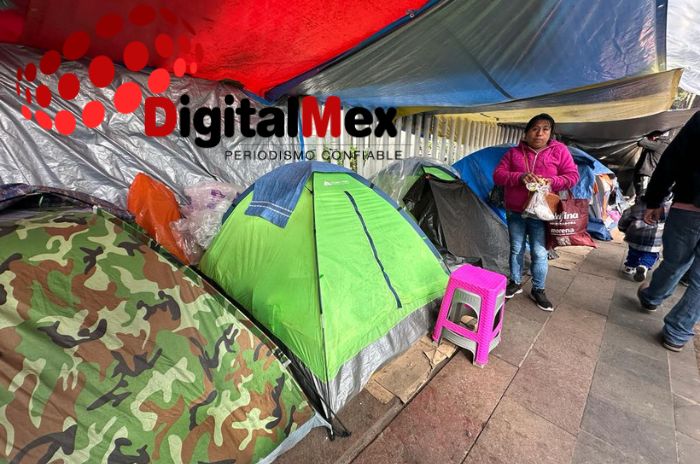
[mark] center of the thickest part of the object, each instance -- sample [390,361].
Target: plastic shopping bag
[538,206]
[569,226]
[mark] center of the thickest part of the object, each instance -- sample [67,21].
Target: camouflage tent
[110,352]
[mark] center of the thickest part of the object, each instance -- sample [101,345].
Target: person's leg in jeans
[538,252]
[680,239]
[679,322]
[516,233]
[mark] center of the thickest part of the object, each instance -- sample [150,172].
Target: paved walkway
[588,383]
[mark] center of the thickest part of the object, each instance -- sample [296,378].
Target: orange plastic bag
[154,206]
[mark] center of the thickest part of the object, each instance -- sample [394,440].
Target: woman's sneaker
[671,346]
[513,289]
[540,298]
[640,274]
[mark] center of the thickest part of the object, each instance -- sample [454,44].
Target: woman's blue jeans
[681,252]
[520,229]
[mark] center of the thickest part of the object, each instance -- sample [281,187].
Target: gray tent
[453,218]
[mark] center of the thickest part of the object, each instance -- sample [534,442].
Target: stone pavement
[588,383]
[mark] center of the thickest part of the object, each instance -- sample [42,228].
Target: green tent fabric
[347,268]
[113,352]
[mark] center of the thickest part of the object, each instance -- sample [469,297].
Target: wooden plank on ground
[406,374]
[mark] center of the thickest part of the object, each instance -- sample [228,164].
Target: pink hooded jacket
[553,162]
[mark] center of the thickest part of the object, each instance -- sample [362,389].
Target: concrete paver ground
[588,383]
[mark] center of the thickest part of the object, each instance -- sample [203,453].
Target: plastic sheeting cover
[257,43]
[682,41]
[466,53]
[621,99]
[104,161]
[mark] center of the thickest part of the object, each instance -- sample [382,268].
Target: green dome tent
[113,352]
[447,210]
[332,268]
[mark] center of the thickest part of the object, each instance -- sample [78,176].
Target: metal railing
[444,138]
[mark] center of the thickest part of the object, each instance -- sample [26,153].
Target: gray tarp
[615,142]
[104,161]
[476,52]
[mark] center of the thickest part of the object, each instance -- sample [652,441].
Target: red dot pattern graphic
[43,96]
[76,45]
[109,25]
[50,62]
[179,67]
[43,120]
[101,71]
[159,80]
[65,122]
[127,97]
[93,114]
[30,72]
[68,86]
[135,56]
[142,15]
[164,45]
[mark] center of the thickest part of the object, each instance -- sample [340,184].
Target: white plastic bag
[208,201]
[537,207]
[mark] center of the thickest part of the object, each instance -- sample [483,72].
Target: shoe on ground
[644,304]
[541,300]
[629,272]
[640,274]
[671,346]
[513,289]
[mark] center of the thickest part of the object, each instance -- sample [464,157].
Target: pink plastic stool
[473,291]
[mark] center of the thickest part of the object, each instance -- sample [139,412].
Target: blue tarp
[468,52]
[476,170]
[588,169]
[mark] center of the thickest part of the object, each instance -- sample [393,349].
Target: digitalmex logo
[179,55]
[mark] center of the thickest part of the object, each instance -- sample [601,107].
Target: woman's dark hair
[540,117]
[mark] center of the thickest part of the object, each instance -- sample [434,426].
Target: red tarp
[258,43]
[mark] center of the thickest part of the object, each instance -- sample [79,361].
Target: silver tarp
[682,41]
[104,161]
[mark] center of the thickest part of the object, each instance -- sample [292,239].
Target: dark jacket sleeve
[653,145]
[676,157]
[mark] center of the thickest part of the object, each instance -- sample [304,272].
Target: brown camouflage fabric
[111,353]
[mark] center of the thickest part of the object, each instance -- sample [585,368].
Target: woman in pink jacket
[538,158]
